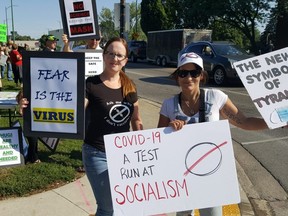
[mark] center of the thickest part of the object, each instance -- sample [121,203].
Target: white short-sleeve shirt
[214,102]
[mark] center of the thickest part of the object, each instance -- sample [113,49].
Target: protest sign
[3,60]
[3,33]
[160,170]
[265,77]
[54,86]
[11,148]
[79,18]
[94,64]
[24,142]
[50,142]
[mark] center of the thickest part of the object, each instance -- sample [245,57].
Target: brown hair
[14,46]
[19,96]
[127,85]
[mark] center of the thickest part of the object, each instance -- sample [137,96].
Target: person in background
[32,156]
[103,92]
[7,51]
[48,43]
[190,75]
[16,60]
[3,62]
[0,82]
[93,43]
[2,66]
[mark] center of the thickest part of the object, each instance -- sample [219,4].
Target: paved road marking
[262,141]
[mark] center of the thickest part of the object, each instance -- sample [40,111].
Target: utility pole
[136,16]
[122,18]
[12,22]
[7,23]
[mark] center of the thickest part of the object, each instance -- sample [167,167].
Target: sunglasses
[193,73]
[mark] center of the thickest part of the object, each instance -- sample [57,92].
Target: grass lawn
[56,169]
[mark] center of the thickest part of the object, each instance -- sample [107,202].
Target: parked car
[137,50]
[218,58]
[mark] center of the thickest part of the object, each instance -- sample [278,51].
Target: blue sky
[37,17]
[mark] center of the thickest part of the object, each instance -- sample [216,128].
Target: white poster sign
[160,170]
[11,149]
[3,59]
[265,77]
[52,92]
[79,18]
[54,85]
[94,64]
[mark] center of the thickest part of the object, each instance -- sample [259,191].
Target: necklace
[192,110]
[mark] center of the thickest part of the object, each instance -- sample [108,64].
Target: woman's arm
[238,119]
[18,56]
[165,122]
[136,121]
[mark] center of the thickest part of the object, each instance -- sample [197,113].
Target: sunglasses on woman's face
[193,73]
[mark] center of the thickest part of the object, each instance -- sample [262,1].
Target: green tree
[223,32]
[239,15]
[269,34]
[242,15]
[196,14]
[155,16]
[106,19]
[282,24]
[172,9]
[23,38]
[136,32]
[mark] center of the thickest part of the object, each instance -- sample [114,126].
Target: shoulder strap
[176,101]
[202,106]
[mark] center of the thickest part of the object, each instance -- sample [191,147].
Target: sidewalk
[76,198]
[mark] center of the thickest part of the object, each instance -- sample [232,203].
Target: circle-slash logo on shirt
[118,113]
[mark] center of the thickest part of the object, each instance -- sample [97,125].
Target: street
[262,155]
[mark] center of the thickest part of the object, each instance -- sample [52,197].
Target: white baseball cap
[190,58]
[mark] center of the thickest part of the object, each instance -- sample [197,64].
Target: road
[263,155]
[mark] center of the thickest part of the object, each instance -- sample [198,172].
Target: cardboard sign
[94,64]
[265,77]
[3,33]
[3,60]
[160,171]
[54,85]
[11,148]
[79,18]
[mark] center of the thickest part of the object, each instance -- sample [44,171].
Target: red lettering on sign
[79,14]
[140,192]
[78,6]
[81,29]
